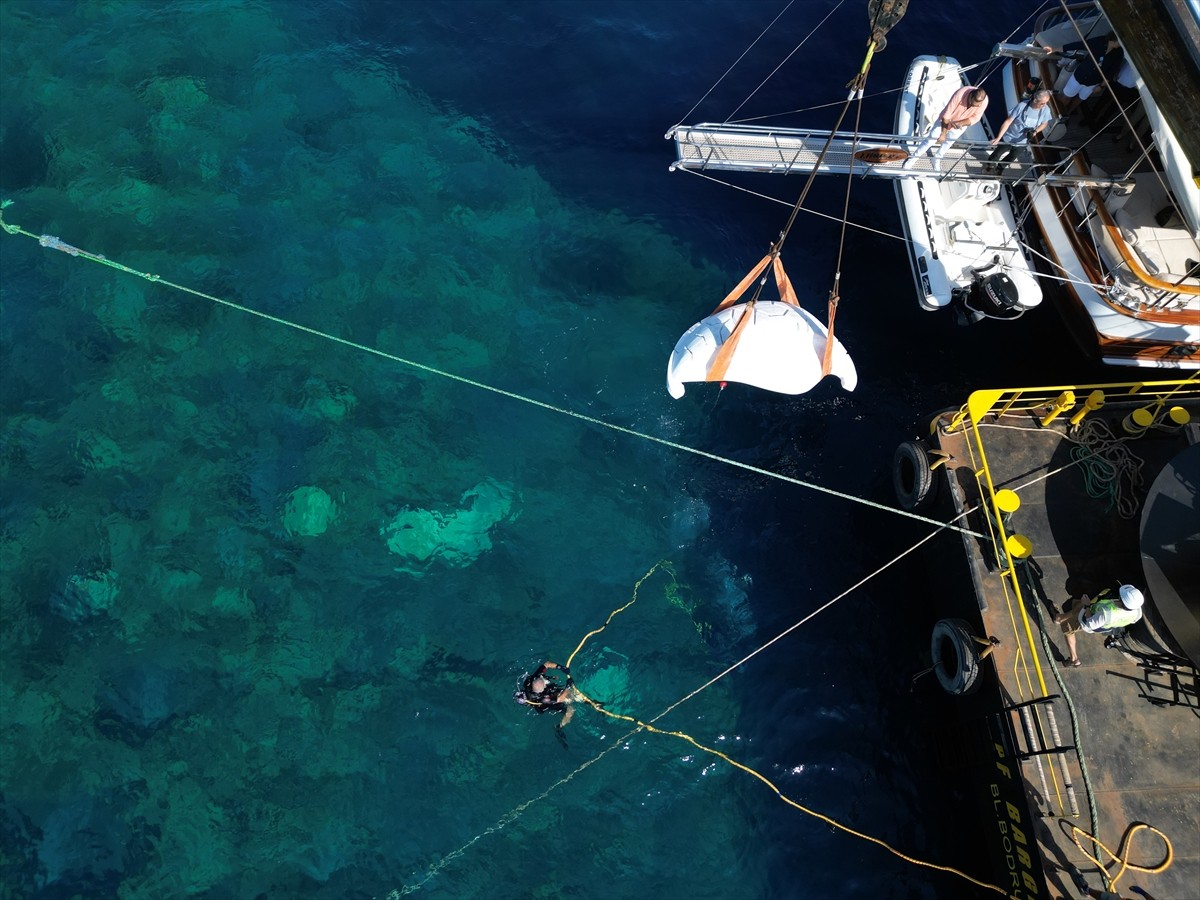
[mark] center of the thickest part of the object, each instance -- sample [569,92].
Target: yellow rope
[581,695]
[513,814]
[1121,855]
[56,244]
[661,564]
[788,800]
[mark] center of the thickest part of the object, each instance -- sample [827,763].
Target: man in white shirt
[1104,615]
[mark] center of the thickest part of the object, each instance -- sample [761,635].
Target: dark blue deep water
[265,597]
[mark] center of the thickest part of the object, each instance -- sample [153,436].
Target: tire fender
[955,656]
[912,478]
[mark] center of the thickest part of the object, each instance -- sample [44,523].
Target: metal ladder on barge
[1040,743]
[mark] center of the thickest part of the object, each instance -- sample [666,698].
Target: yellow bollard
[1179,416]
[1007,501]
[1018,547]
[1062,403]
[1139,420]
[1094,401]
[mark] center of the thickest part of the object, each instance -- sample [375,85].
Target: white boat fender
[955,657]
[912,476]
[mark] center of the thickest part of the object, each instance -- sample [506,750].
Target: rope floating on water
[647,726]
[55,243]
[513,814]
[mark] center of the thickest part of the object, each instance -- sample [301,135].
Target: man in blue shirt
[1025,120]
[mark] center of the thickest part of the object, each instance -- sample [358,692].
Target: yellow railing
[1153,404]
[1157,406]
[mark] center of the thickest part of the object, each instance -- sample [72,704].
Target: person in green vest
[1104,615]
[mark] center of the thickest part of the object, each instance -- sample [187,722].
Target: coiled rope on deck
[55,243]
[1110,468]
[1122,854]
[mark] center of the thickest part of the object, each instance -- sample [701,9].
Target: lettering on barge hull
[1011,831]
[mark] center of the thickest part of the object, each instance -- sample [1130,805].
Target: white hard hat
[1131,597]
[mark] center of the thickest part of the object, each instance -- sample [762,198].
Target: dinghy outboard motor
[993,294]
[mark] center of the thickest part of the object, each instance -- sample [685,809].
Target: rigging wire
[994,63]
[783,61]
[1066,278]
[1146,151]
[54,243]
[782,202]
[834,296]
[795,112]
[736,61]
[989,65]
[895,90]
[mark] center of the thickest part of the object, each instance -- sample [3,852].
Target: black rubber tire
[955,657]
[912,479]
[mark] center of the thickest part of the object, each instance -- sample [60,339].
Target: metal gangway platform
[794,151]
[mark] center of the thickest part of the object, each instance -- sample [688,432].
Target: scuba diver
[545,695]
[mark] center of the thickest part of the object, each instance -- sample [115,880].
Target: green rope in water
[54,243]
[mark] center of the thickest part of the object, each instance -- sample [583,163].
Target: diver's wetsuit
[547,700]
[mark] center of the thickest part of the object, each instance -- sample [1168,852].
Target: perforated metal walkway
[794,151]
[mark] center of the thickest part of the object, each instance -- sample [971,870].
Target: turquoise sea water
[265,597]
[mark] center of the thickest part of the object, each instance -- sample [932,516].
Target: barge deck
[1080,489]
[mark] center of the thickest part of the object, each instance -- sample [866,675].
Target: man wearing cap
[1104,615]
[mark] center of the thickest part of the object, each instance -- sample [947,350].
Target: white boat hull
[956,228]
[1136,320]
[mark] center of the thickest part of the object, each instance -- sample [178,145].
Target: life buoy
[955,657]
[912,478]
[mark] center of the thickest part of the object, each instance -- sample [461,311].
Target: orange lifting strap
[786,293]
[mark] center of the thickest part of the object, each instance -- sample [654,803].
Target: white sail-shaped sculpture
[780,349]
[772,344]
